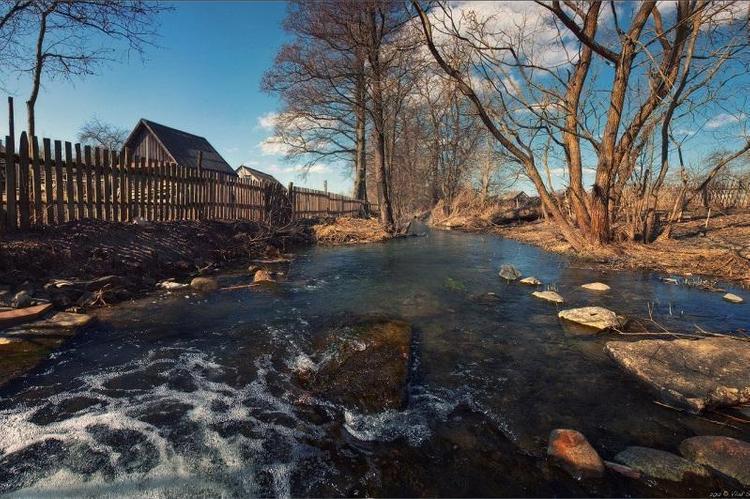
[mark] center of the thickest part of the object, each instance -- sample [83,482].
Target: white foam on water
[211,463]
[413,423]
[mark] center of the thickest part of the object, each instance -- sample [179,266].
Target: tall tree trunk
[360,153]
[37,77]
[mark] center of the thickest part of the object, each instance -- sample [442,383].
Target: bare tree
[320,77]
[73,38]
[97,133]
[620,68]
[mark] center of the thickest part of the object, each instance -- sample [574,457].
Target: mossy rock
[364,367]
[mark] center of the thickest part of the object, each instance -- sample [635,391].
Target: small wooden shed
[150,140]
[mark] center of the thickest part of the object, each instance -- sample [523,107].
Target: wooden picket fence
[57,182]
[309,203]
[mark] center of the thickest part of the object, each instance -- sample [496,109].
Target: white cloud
[273,146]
[724,119]
[268,120]
[684,132]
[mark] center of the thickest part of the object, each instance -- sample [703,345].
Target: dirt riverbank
[722,252]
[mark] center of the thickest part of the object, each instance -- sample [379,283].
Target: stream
[186,394]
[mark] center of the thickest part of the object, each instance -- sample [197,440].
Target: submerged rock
[596,286]
[531,281]
[724,454]
[204,284]
[509,273]
[574,454]
[598,318]
[659,464]
[364,367]
[733,298]
[696,374]
[548,296]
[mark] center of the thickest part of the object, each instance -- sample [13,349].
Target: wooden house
[151,140]
[257,175]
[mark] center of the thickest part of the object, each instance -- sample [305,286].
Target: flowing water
[185,394]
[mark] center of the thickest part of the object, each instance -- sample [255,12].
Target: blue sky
[203,78]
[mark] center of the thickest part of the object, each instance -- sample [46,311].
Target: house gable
[152,140]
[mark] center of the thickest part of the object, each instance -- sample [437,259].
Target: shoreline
[83,266]
[718,256]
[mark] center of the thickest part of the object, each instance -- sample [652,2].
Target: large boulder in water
[659,464]
[364,367]
[725,454]
[696,374]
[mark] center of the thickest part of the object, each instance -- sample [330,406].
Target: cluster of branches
[48,39]
[359,89]
[598,84]
[454,94]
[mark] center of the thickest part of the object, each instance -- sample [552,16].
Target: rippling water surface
[187,395]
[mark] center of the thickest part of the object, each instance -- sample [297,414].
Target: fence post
[291,197]
[10,183]
[23,181]
[201,194]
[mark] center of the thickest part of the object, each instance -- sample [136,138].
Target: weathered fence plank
[36,172]
[10,185]
[49,202]
[23,182]
[59,193]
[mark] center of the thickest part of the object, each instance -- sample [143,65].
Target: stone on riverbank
[62,320]
[365,367]
[596,286]
[204,284]
[724,454]
[531,281]
[509,272]
[659,464]
[574,454]
[22,299]
[598,318]
[696,374]
[171,285]
[733,298]
[549,296]
[20,315]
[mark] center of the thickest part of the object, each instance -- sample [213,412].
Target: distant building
[151,140]
[257,175]
[515,199]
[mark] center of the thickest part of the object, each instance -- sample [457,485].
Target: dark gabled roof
[184,147]
[259,174]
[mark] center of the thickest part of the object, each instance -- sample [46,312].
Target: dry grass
[723,252]
[347,230]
